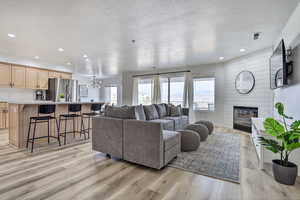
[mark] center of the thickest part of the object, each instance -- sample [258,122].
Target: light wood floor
[76,172]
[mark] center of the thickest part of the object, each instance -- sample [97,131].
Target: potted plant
[287,140]
[62,98]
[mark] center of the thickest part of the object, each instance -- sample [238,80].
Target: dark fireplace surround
[242,117]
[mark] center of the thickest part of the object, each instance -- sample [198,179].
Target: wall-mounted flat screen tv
[278,67]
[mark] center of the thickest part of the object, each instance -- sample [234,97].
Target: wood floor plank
[76,172]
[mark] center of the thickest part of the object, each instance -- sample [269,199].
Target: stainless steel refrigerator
[62,87]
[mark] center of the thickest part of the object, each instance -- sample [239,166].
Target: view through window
[145,91]
[172,90]
[111,95]
[204,94]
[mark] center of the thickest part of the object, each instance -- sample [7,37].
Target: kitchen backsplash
[16,94]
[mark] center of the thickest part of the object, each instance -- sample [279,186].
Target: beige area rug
[217,157]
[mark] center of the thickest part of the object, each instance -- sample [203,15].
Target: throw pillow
[151,112]
[140,113]
[162,110]
[175,111]
[124,112]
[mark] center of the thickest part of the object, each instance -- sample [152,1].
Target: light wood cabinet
[37,78]
[54,74]
[66,76]
[31,78]
[3,116]
[62,75]
[18,76]
[43,76]
[5,75]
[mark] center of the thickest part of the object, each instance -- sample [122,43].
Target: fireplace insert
[242,117]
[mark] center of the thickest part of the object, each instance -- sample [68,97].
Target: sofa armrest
[108,136]
[143,143]
[185,111]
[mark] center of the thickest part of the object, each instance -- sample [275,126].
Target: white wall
[93,93]
[112,81]
[261,96]
[290,95]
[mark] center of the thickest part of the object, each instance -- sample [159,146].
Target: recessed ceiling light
[11,35]
[86,59]
[242,50]
[36,57]
[85,56]
[60,49]
[221,58]
[69,63]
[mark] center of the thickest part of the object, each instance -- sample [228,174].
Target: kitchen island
[20,113]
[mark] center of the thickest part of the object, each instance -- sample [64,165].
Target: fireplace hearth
[242,117]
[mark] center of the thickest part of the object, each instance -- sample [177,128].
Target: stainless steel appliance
[40,95]
[67,89]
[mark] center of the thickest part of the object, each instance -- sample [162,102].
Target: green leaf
[280,109]
[273,127]
[295,125]
[270,144]
[293,146]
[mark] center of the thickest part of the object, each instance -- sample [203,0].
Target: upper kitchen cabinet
[32,78]
[12,76]
[62,75]
[37,78]
[54,74]
[18,76]
[43,76]
[66,76]
[5,75]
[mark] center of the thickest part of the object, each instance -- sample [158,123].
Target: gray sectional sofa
[135,134]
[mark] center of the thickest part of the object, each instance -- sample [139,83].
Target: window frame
[151,82]
[193,95]
[169,86]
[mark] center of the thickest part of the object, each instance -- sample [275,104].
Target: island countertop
[21,111]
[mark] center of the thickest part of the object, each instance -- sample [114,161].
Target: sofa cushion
[151,112]
[161,109]
[171,138]
[175,111]
[179,122]
[140,113]
[124,112]
[166,123]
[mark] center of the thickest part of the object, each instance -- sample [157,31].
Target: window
[204,94]
[172,90]
[111,95]
[145,91]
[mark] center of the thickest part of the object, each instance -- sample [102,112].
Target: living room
[150,100]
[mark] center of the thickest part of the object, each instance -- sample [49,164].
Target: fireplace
[242,117]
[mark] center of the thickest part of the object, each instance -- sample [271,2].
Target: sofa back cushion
[161,109]
[151,112]
[124,112]
[140,113]
[175,110]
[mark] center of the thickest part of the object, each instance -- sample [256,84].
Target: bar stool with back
[73,110]
[46,117]
[95,110]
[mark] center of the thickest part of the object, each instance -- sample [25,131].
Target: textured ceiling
[167,33]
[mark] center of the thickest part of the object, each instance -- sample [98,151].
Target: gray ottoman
[190,140]
[208,124]
[200,129]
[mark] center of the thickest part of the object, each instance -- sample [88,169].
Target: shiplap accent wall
[261,96]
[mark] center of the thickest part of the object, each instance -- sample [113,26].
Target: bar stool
[46,110]
[95,110]
[73,109]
